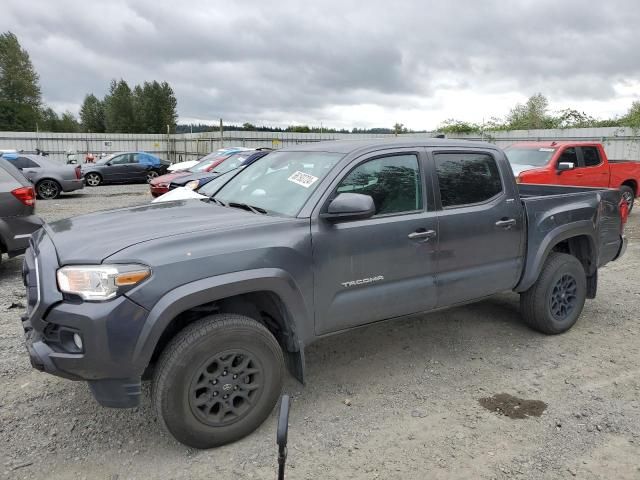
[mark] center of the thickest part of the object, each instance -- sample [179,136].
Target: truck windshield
[280,183]
[536,157]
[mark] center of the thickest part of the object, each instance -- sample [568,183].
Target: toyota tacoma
[213,299]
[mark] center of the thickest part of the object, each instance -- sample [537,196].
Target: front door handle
[418,234]
[506,223]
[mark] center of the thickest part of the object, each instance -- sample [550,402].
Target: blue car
[125,167]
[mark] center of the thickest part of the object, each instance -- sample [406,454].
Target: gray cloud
[287,61]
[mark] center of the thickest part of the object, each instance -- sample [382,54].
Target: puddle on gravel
[513,407]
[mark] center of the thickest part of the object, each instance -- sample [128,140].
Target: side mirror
[350,206]
[563,166]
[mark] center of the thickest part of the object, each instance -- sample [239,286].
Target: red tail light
[26,195]
[78,172]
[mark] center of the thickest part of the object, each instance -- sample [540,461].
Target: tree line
[147,108]
[534,114]
[249,127]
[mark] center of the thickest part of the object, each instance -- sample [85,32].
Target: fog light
[77,339]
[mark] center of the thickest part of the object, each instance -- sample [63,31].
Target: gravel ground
[393,400]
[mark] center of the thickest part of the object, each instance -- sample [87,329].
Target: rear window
[591,156]
[467,178]
[9,173]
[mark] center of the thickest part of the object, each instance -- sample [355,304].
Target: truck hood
[92,238]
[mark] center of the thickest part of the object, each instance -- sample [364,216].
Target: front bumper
[109,332]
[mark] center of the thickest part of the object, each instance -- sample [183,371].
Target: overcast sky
[342,63]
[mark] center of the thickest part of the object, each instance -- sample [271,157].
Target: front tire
[217,380]
[628,196]
[48,189]
[93,179]
[554,303]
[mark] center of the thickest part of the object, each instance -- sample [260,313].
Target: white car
[180,193]
[182,166]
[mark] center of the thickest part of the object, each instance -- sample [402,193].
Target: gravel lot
[393,400]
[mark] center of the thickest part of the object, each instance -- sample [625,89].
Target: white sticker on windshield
[547,149]
[301,178]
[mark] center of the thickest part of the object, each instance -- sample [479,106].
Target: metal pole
[168,140]
[221,135]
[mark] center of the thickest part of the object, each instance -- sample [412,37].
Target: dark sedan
[196,180]
[125,167]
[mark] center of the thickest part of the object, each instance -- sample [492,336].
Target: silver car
[17,200]
[49,177]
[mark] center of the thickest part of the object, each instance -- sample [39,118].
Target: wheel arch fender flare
[534,263]
[193,294]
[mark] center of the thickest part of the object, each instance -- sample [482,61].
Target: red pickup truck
[583,164]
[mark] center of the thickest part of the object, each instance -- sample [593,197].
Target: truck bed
[550,209]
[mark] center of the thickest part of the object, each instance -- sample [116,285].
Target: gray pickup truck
[212,298]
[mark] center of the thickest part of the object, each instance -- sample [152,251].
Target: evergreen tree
[118,108]
[92,114]
[19,89]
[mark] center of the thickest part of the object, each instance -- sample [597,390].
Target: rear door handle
[506,223]
[418,234]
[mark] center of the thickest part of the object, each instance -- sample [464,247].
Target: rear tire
[554,303]
[151,174]
[93,179]
[217,380]
[48,189]
[628,196]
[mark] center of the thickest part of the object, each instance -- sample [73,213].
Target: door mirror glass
[562,166]
[350,206]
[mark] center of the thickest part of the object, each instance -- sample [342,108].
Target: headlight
[100,282]
[193,184]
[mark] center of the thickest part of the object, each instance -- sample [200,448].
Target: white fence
[620,143]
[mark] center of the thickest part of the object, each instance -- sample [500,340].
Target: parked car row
[209,167]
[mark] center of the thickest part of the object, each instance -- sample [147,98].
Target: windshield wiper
[219,202]
[248,207]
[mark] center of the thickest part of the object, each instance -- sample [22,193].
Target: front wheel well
[265,307]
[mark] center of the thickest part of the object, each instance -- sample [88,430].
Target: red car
[583,164]
[160,185]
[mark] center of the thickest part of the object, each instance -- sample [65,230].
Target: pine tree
[20,97]
[92,114]
[118,108]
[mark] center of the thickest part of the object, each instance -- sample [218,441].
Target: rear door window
[24,162]
[590,156]
[467,178]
